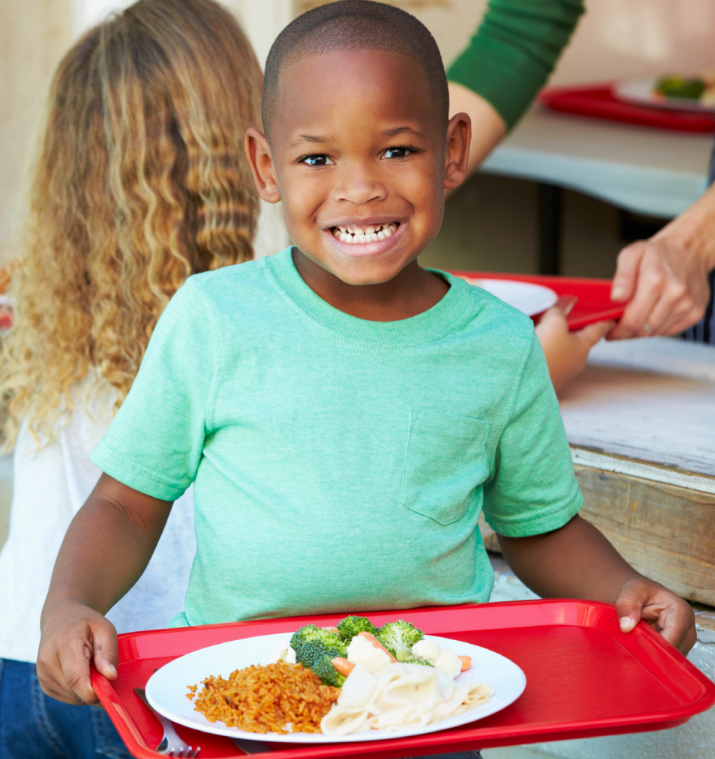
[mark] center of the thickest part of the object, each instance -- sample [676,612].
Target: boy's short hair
[355,25]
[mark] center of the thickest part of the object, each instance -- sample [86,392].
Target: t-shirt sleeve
[514,50]
[534,489]
[154,443]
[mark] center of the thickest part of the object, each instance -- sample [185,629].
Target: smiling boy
[344,415]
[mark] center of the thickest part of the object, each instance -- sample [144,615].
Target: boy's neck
[413,291]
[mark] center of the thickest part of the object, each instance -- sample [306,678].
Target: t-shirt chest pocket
[445,460]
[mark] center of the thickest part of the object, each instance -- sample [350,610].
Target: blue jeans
[35,726]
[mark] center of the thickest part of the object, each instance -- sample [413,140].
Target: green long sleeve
[514,50]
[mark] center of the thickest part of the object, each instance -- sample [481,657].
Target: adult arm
[506,63]
[665,278]
[577,561]
[107,547]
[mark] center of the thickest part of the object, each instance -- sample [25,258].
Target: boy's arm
[106,549]
[577,561]
[567,352]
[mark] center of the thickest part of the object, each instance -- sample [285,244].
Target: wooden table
[641,424]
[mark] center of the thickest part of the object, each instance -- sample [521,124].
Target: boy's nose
[359,187]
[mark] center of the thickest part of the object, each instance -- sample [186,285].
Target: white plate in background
[641,92]
[527,297]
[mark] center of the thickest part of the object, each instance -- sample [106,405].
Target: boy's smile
[359,158]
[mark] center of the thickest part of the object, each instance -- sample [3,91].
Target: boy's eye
[316,160]
[398,152]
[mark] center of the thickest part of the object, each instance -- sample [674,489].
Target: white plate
[640,92]
[167,688]
[527,297]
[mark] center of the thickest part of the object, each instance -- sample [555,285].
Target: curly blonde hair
[140,180]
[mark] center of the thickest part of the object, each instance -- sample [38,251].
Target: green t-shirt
[340,464]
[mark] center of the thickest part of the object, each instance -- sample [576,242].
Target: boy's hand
[668,614]
[566,352]
[73,635]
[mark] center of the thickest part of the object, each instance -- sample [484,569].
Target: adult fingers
[689,310]
[626,276]
[677,303]
[650,286]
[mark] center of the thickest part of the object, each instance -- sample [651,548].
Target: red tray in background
[598,101]
[584,678]
[594,295]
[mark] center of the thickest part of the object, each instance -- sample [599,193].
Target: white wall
[87,13]
[619,38]
[615,37]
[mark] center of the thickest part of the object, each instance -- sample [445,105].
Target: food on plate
[397,696]
[283,652]
[363,651]
[399,637]
[356,640]
[342,680]
[276,698]
[427,651]
[700,88]
[351,626]
[315,648]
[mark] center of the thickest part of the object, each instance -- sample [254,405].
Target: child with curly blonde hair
[140,180]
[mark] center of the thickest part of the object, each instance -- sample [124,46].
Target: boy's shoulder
[238,284]
[232,276]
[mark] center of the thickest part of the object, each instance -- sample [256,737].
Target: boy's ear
[259,156]
[459,136]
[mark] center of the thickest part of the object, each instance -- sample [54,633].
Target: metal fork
[171,744]
[566,303]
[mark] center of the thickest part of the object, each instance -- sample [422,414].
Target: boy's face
[359,158]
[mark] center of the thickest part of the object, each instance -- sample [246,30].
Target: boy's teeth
[364,234]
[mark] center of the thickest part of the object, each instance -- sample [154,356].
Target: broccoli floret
[313,651]
[680,87]
[312,634]
[352,626]
[327,673]
[399,637]
[312,643]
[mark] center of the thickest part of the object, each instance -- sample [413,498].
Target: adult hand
[566,352]
[671,616]
[665,278]
[666,285]
[73,635]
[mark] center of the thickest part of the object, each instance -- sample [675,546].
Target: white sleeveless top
[50,485]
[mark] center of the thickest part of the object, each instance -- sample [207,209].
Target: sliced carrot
[343,666]
[466,662]
[375,642]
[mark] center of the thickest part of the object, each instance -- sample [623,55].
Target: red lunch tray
[598,101]
[584,678]
[594,302]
